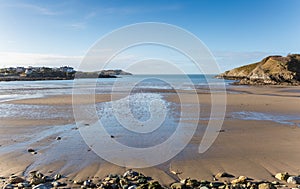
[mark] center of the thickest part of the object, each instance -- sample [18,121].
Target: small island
[272,70]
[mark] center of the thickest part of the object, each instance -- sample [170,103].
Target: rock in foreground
[273,70]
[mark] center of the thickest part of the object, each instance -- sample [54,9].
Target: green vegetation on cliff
[272,70]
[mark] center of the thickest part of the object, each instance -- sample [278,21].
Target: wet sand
[255,148]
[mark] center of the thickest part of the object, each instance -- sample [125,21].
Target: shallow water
[261,116]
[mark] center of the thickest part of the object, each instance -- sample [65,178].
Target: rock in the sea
[58,138]
[266,186]
[282,176]
[15,180]
[293,180]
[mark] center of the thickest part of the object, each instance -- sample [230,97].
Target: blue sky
[56,32]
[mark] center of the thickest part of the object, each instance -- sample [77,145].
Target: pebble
[41,186]
[266,186]
[240,180]
[293,180]
[223,174]
[30,150]
[87,183]
[135,180]
[282,176]
[57,176]
[8,186]
[58,138]
[132,187]
[56,184]
[15,180]
[204,187]
[177,186]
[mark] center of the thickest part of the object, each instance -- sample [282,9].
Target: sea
[15,90]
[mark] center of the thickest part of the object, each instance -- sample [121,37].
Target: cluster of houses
[30,71]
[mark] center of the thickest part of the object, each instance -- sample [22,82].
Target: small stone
[204,187]
[41,186]
[240,180]
[204,182]
[23,185]
[123,182]
[143,186]
[47,179]
[154,185]
[223,174]
[8,186]
[293,180]
[275,182]
[39,174]
[266,186]
[107,179]
[58,138]
[79,182]
[132,187]
[192,183]
[178,186]
[130,173]
[56,184]
[216,184]
[87,183]
[36,181]
[30,150]
[57,176]
[15,180]
[282,176]
[142,181]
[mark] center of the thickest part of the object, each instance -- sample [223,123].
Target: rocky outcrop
[273,70]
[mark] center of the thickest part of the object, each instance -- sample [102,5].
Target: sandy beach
[260,137]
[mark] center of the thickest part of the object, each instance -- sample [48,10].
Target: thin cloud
[14,59]
[135,10]
[34,8]
[78,26]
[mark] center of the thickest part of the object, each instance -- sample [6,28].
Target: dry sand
[256,148]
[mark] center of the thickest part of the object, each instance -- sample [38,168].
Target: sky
[61,32]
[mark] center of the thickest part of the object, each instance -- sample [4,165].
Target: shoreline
[7,79]
[255,148]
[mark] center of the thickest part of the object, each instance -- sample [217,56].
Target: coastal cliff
[272,70]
